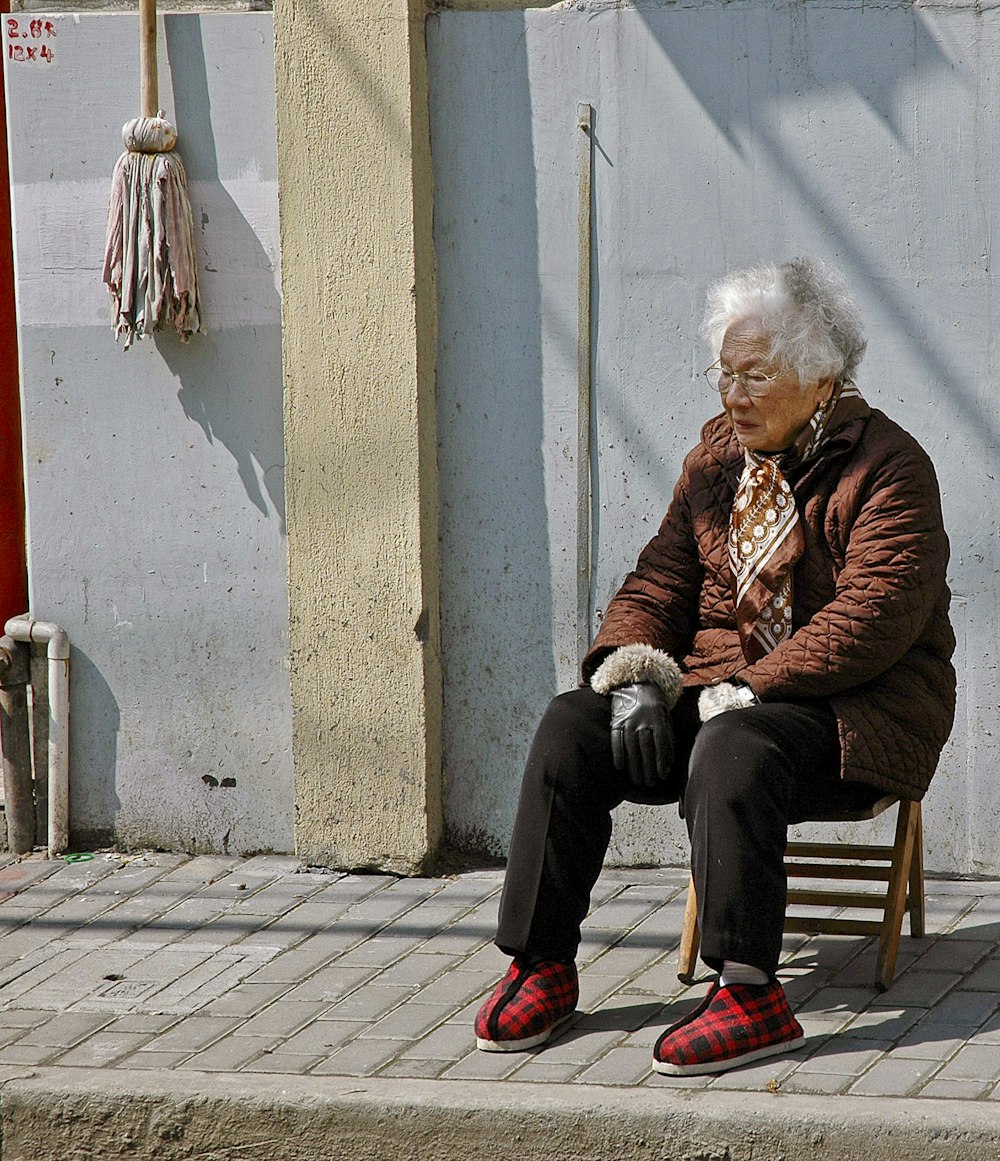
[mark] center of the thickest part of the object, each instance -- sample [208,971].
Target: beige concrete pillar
[358,332]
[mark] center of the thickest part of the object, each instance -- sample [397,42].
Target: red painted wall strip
[13,562]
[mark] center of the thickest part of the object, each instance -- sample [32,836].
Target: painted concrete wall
[726,133]
[359,340]
[154,477]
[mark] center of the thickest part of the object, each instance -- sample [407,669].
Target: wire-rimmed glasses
[754,383]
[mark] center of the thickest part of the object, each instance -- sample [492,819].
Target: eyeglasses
[753,383]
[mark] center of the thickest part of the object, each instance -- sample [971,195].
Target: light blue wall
[155,476]
[726,133]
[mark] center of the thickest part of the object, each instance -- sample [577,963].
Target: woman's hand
[727,695]
[642,736]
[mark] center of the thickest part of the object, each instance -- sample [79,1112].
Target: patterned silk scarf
[765,532]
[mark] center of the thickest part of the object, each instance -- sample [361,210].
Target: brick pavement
[252,966]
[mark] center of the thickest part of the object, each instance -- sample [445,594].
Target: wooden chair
[903,874]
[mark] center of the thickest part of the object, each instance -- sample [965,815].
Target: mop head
[150,266]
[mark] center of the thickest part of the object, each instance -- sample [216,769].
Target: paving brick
[463,937]
[765,1077]
[322,1037]
[570,1046]
[231,975]
[538,1069]
[927,1041]
[843,1057]
[18,1053]
[329,984]
[816,1082]
[659,979]
[192,1034]
[359,1058]
[65,1030]
[298,963]
[141,1022]
[244,1000]
[896,1077]
[283,1018]
[971,1009]
[883,1023]
[30,974]
[973,1062]
[103,1049]
[917,989]
[23,1017]
[379,951]
[209,968]
[274,1060]
[408,1022]
[414,1069]
[369,1003]
[155,1061]
[658,1080]
[625,963]
[953,955]
[984,978]
[203,868]
[964,1090]
[836,1001]
[623,1065]
[447,1042]
[228,1054]
[618,1017]
[456,988]
[416,969]
[481,1066]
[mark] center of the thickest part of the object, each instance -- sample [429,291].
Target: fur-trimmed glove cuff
[633,664]
[716,699]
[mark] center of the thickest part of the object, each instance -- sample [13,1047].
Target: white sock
[741,973]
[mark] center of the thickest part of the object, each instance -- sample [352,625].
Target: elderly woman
[782,649]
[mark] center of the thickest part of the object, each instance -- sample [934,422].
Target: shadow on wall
[94,713]
[230,378]
[496,582]
[875,53]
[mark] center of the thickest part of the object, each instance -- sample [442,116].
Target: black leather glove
[642,736]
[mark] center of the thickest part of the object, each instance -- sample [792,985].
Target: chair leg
[895,903]
[916,898]
[687,953]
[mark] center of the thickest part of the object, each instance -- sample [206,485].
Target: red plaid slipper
[733,1025]
[529,1004]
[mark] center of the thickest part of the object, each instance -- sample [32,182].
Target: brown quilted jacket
[870,601]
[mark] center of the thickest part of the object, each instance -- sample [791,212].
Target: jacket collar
[719,438]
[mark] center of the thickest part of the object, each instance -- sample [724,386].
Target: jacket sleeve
[657,604]
[892,579]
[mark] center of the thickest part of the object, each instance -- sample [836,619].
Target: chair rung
[871,899]
[827,871]
[809,925]
[864,852]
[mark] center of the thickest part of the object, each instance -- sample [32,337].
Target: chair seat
[899,866]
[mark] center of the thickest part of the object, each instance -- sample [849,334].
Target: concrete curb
[88,1115]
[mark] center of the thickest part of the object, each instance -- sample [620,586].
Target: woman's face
[769,423]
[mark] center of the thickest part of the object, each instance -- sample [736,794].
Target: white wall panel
[154,477]
[727,133]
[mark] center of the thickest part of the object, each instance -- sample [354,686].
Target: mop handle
[147,59]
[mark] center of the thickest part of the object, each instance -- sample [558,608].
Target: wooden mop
[150,264]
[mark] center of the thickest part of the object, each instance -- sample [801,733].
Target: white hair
[804,306]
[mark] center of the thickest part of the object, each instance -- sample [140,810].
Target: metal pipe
[57,652]
[15,742]
[584,363]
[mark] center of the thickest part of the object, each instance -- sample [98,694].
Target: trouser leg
[563,822]
[751,773]
[561,829]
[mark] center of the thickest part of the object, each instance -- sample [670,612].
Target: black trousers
[740,778]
